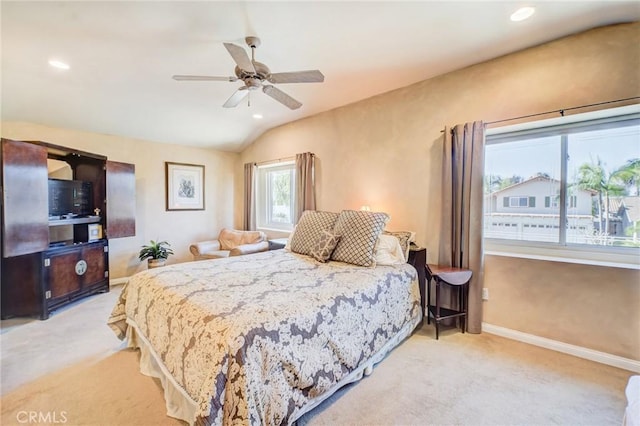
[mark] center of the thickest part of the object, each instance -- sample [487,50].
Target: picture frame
[184,186]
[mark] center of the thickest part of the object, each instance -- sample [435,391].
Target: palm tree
[630,174]
[593,176]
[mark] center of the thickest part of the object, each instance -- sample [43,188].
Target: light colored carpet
[72,369]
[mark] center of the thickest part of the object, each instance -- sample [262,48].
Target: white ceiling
[123,54]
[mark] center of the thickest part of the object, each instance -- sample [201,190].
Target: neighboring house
[529,210]
[624,213]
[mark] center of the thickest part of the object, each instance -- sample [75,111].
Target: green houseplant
[156,253]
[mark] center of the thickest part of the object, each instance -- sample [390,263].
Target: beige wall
[152,220]
[385,152]
[588,306]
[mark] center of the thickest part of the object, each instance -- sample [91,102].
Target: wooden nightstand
[418,259]
[456,278]
[277,243]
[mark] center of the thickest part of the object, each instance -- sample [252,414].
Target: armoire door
[121,199]
[61,273]
[25,198]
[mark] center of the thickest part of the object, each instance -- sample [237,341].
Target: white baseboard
[578,351]
[118,281]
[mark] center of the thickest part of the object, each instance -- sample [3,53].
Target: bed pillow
[324,246]
[309,229]
[388,251]
[405,238]
[359,231]
[287,246]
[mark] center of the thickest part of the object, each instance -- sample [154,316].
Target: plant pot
[155,263]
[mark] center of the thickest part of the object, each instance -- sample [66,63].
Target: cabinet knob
[81,267]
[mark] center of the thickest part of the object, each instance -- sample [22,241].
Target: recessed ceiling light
[522,14]
[257,116]
[58,64]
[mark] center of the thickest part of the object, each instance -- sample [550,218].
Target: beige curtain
[249,197]
[462,198]
[305,183]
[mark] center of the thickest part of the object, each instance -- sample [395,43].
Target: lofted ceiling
[122,56]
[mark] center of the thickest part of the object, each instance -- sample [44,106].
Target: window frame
[562,251]
[263,206]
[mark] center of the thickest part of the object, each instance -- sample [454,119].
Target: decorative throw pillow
[309,228]
[405,237]
[232,238]
[388,251]
[324,246]
[359,231]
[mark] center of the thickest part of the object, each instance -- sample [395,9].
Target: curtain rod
[562,111]
[279,160]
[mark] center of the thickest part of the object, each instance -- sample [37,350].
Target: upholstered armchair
[230,242]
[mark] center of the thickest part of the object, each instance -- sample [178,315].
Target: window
[553,201]
[275,196]
[520,202]
[585,170]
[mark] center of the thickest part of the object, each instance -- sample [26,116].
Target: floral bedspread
[252,338]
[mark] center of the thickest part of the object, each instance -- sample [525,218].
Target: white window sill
[282,231]
[614,258]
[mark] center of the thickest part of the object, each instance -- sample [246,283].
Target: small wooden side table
[456,278]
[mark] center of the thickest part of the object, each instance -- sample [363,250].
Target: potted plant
[156,253]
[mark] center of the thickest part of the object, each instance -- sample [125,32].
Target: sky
[542,155]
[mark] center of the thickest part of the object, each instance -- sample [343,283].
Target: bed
[263,338]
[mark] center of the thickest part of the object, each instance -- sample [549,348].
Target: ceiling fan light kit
[254,74]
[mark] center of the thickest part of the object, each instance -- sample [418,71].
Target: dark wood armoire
[51,257]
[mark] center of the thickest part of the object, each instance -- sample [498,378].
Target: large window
[572,182]
[275,196]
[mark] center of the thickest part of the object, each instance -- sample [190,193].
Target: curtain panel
[305,183]
[462,209]
[249,197]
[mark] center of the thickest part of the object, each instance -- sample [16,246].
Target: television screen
[69,198]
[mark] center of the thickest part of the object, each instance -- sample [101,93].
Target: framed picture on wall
[184,186]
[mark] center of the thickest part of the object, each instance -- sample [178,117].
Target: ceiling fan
[254,75]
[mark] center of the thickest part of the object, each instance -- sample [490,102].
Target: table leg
[437,318]
[428,282]
[465,301]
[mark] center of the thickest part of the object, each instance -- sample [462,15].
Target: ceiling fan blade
[236,98]
[240,57]
[310,76]
[281,97]
[202,78]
